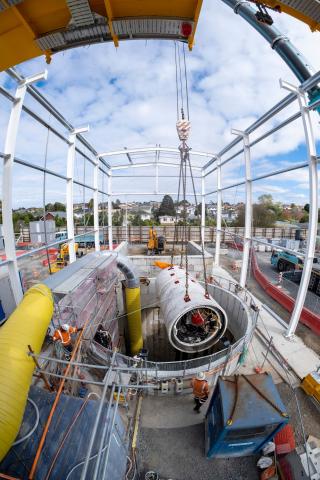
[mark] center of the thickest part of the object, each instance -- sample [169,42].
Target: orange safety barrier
[308,318]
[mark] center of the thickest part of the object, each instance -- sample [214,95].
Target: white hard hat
[201,376]
[65,327]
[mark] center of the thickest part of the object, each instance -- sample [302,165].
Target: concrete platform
[171,442]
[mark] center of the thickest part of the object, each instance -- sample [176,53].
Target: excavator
[156,244]
[63,257]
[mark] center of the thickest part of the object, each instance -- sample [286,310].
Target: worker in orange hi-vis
[200,390]
[63,335]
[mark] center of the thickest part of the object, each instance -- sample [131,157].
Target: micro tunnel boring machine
[194,322]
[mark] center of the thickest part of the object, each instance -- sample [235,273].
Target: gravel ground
[178,454]
[310,414]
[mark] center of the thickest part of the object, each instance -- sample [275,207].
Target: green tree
[49,207]
[306,208]
[136,220]
[304,218]
[265,199]
[58,207]
[263,216]
[166,207]
[117,218]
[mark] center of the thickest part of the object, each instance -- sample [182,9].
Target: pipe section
[27,325]
[133,303]
[278,42]
[194,325]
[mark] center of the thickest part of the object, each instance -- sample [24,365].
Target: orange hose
[54,406]
[2,475]
[76,416]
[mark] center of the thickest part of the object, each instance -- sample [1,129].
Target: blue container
[245,412]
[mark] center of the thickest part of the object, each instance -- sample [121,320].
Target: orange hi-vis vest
[200,388]
[64,336]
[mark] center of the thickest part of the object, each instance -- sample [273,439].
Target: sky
[128,98]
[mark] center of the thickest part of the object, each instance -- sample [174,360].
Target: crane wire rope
[183,128]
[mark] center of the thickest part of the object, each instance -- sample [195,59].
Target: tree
[137,221]
[117,218]
[166,207]
[304,218]
[266,199]
[59,207]
[306,208]
[49,207]
[263,216]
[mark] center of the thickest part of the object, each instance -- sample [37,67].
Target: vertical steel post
[248,208]
[69,199]
[110,211]
[98,417]
[126,220]
[157,171]
[219,213]
[8,161]
[203,209]
[313,202]
[96,206]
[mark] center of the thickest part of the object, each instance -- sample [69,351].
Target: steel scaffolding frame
[158,158]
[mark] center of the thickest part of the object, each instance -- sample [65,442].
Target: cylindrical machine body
[193,324]
[27,325]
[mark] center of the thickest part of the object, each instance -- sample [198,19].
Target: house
[53,215]
[143,214]
[166,220]
[228,215]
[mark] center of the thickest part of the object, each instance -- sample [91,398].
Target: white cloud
[128,97]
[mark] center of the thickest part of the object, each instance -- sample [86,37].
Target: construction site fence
[134,234]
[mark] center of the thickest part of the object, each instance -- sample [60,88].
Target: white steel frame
[159,158]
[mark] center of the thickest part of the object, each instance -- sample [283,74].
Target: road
[310,338]
[312,300]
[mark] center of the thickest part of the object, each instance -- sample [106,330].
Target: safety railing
[156,370]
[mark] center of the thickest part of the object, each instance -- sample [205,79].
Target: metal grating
[148,26]
[53,40]
[310,8]
[71,36]
[81,12]
[127,28]
[94,32]
[8,4]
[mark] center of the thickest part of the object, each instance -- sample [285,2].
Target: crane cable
[183,130]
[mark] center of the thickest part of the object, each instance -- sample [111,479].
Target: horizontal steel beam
[266,175]
[149,164]
[153,149]
[285,102]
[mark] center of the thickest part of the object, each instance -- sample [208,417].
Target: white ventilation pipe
[193,324]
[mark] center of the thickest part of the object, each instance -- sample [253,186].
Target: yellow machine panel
[30,28]
[311,385]
[307,11]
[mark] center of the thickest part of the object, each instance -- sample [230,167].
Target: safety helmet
[201,376]
[65,327]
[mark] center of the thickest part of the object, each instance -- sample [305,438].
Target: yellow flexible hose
[133,303]
[27,325]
